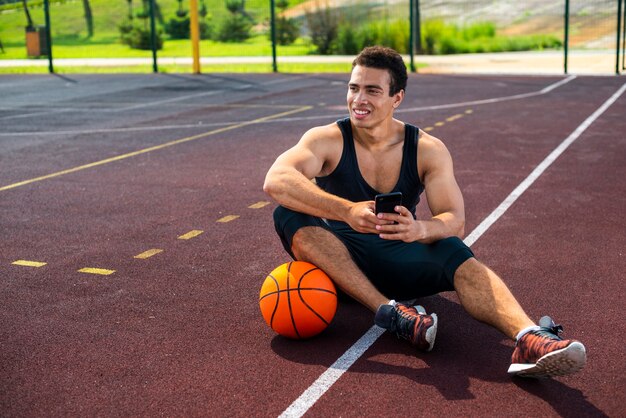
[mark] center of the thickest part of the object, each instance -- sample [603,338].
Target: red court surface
[97,170]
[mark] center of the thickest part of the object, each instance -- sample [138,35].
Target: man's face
[368,97]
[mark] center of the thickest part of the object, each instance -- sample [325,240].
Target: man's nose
[360,98]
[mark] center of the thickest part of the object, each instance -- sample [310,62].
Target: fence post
[273,33]
[624,36]
[46,10]
[153,40]
[411,35]
[194,31]
[566,37]
[619,30]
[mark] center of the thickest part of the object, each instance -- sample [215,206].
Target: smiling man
[377,258]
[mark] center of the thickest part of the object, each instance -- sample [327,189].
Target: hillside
[592,23]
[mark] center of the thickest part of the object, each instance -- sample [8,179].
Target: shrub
[140,38]
[323,27]
[178,28]
[394,35]
[234,28]
[441,38]
[347,42]
[287,31]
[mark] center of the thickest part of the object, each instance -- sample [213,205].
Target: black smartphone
[385,202]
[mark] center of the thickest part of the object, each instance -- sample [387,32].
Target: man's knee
[312,238]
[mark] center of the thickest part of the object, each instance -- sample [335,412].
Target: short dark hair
[384,58]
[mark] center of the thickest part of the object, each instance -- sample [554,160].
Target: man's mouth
[360,112]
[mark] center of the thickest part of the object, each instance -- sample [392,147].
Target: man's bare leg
[323,249]
[485,296]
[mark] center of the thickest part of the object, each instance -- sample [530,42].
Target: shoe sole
[431,333]
[561,362]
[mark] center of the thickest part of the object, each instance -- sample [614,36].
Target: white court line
[209,93]
[301,405]
[544,90]
[120,130]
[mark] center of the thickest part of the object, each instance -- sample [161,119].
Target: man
[377,258]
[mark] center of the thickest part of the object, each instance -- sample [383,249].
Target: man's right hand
[361,217]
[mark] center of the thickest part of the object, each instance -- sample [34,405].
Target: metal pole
[273,32]
[418,28]
[619,29]
[624,36]
[153,39]
[195,34]
[46,10]
[411,35]
[566,37]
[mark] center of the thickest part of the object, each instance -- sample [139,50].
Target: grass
[70,40]
[103,47]
[181,69]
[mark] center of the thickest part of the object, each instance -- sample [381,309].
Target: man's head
[384,58]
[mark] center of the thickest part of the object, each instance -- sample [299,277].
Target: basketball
[298,300]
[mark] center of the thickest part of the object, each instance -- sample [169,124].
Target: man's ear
[397,98]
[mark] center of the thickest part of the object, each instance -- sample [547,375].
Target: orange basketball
[298,300]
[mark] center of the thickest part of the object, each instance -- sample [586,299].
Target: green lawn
[181,69]
[111,48]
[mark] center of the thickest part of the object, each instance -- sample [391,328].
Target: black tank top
[346,180]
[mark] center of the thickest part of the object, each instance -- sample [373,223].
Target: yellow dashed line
[191,234]
[469,111]
[228,218]
[149,253]
[428,129]
[439,123]
[259,205]
[156,147]
[102,272]
[454,117]
[27,263]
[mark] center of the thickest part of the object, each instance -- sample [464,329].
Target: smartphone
[385,202]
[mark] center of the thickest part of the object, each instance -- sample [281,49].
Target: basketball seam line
[304,302]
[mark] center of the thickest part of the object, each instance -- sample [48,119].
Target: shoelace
[403,324]
[549,329]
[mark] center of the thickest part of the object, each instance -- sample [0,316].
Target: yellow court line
[454,117]
[91,270]
[154,148]
[259,205]
[149,253]
[27,263]
[191,234]
[227,218]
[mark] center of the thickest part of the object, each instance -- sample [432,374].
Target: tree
[88,17]
[31,25]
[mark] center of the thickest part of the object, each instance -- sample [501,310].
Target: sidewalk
[547,62]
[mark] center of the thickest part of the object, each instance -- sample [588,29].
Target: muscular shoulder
[326,142]
[432,154]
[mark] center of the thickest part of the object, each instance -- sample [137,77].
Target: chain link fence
[237,35]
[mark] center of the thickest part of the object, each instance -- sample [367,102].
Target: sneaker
[409,322]
[543,353]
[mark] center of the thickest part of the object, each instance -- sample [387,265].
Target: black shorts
[399,270]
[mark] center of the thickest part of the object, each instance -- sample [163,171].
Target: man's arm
[443,194]
[288,181]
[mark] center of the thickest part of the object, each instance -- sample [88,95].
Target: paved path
[548,62]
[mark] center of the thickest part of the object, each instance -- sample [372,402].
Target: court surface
[135,236]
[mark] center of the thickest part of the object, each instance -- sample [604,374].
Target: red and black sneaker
[409,322]
[542,353]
